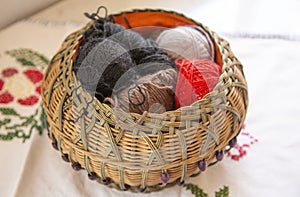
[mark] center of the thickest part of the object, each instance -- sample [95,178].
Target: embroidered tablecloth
[264,163]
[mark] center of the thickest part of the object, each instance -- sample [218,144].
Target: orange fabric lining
[152,18]
[218,57]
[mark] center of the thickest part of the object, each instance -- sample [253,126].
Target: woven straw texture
[131,151]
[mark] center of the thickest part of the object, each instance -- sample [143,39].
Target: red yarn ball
[196,78]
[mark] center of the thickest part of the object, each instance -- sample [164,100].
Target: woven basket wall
[131,151]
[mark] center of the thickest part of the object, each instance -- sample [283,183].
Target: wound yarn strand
[186,42]
[153,93]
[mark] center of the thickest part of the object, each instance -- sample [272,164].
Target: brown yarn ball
[158,98]
[153,93]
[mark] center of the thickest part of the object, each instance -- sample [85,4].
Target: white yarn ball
[187,42]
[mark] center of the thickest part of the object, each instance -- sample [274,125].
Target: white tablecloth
[271,66]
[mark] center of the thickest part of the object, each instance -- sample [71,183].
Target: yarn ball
[153,93]
[195,79]
[91,37]
[187,42]
[107,51]
[102,67]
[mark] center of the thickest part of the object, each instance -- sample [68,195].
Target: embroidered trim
[14,124]
[198,192]
[245,35]
[19,129]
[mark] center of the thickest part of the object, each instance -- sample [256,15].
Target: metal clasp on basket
[95,16]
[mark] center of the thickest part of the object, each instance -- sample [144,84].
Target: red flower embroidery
[34,75]
[245,141]
[38,89]
[6,97]
[9,72]
[1,84]
[23,87]
[29,100]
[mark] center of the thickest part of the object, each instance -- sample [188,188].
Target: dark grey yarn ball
[108,51]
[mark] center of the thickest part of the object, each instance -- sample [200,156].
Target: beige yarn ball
[153,93]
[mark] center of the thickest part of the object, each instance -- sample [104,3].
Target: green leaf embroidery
[43,119]
[20,130]
[25,62]
[4,122]
[10,135]
[8,111]
[223,192]
[28,57]
[198,192]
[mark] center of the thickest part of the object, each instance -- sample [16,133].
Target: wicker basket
[89,136]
